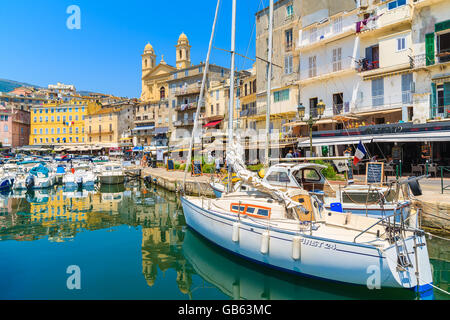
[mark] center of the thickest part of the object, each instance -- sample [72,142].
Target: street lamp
[311,121]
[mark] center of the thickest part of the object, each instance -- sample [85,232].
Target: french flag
[359,154]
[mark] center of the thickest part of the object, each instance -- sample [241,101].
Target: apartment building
[284,89]
[184,92]
[111,125]
[61,123]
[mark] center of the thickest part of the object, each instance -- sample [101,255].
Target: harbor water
[132,242]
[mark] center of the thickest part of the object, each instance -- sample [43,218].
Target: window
[6,128]
[313,107]
[337,56]
[312,66]
[288,39]
[217,94]
[200,69]
[35,131]
[280,177]
[407,82]
[281,95]
[443,47]
[162,93]
[186,73]
[337,25]
[288,65]
[377,92]
[313,34]
[289,11]
[396,4]
[401,44]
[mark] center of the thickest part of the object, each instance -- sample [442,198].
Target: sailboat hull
[322,258]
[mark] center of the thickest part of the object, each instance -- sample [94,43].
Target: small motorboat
[111,173]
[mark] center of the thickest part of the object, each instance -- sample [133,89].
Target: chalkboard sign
[170,165]
[196,168]
[396,153]
[374,173]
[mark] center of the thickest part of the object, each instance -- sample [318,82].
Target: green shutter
[446,98]
[433,102]
[444,25]
[429,48]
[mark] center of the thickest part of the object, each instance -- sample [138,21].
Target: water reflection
[196,268]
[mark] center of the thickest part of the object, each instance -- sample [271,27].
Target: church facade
[154,115]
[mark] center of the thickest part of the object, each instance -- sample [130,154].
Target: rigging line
[251,35]
[239,54]
[433,235]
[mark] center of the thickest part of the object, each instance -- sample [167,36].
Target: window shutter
[447,95]
[429,48]
[444,25]
[433,104]
[369,54]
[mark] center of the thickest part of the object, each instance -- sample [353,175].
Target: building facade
[110,125]
[58,123]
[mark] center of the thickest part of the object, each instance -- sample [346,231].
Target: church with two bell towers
[154,77]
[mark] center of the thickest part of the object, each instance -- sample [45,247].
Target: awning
[328,141]
[135,149]
[144,128]
[212,124]
[161,130]
[405,137]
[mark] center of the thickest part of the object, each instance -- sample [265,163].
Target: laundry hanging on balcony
[362,25]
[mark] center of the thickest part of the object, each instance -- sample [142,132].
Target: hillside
[9,85]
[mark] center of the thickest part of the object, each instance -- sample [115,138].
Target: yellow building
[107,125]
[59,123]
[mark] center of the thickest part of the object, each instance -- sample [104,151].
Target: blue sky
[104,56]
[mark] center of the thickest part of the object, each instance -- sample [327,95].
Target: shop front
[412,145]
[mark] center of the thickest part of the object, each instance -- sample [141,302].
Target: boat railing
[387,222]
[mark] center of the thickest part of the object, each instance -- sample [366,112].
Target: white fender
[265,242]
[235,236]
[296,248]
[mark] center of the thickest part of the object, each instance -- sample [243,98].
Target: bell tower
[183,52]
[148,63]
[148,59]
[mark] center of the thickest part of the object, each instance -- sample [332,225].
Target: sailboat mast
[201,98]
[269,84]
[231,102]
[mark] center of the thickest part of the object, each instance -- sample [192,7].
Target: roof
[299,166]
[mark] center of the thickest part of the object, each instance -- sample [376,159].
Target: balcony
[338,109]
[440,112]
[185,107]
[195,89]
[326,70]
[366,65]
[384,18]
[184,122]
[331,31]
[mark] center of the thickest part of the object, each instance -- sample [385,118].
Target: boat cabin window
[251,210]
[311,175]
[281,177]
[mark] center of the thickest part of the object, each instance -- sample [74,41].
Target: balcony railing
[186,106]
[189,90]
[184,122]
[326,69]
[338,109]
[366,65]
